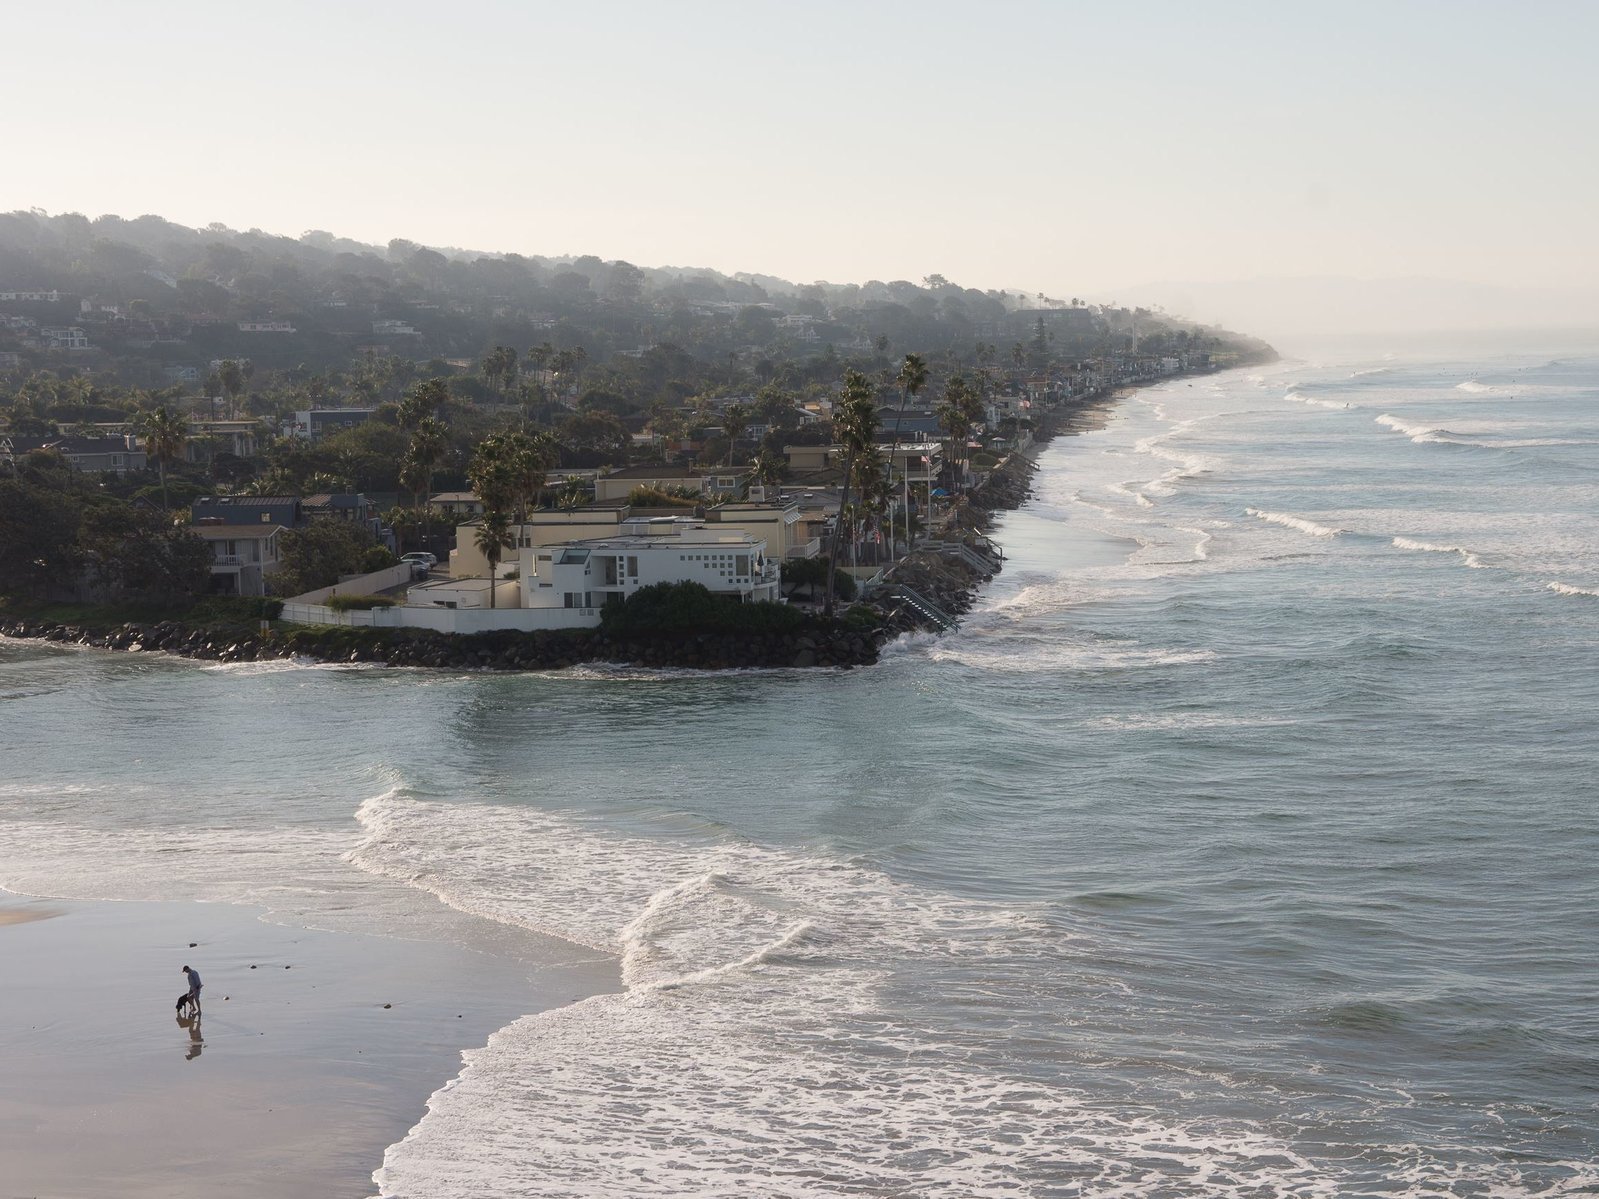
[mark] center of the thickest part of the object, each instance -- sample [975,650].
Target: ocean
[1241,842]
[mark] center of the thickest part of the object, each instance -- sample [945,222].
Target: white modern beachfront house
[564,586]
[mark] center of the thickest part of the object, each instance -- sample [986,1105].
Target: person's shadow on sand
[196,1042]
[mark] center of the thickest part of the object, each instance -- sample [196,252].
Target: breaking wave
[1301,398]
[1568,589]
[1298,523]
[1470,558]
[1416,433]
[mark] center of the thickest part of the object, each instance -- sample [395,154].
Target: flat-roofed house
[545,526]
[778,524]
[619,484]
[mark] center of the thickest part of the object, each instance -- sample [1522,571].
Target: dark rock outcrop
[840,645]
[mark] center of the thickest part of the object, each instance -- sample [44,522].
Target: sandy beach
[315,1050]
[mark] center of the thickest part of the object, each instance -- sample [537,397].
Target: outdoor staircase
[984,558]
[926,611]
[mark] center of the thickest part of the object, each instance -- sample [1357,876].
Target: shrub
[692,608]
[230,609]
[863,617]
[811,573]
[379,557]
[345,603]
[655,497]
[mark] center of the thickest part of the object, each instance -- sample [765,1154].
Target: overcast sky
[1071,148]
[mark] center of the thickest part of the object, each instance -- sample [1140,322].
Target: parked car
[422,563]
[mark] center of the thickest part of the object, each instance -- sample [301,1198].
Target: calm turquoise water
[1241,842]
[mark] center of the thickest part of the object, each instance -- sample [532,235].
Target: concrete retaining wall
[367,584]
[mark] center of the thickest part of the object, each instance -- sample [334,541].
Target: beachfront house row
[919,461]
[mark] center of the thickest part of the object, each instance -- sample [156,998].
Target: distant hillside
[156,303]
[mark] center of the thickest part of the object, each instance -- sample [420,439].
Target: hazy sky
[1065,147]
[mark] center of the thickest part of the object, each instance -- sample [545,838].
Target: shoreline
[315,1052]
[952,578]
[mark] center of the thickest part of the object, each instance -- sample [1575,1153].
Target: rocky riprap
[840,646]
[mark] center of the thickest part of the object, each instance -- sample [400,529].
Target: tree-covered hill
[158,303]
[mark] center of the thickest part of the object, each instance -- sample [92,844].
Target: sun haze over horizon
[1128,153]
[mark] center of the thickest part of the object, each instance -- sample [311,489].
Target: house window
[266,518]
[743,564]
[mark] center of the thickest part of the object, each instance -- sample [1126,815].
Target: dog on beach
[186,1001]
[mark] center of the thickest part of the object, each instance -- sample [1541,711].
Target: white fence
[367,584]
[445,620]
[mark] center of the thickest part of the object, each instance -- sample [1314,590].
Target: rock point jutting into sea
[776,485]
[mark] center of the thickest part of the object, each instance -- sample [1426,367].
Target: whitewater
[1239,843]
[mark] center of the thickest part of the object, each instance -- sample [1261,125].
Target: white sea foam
[759,1048]
[1128,490]
[1376,370]
[1469,557]
[1202,545]
[1475,387]
[1146,722]
[1297,523]
[1416,433]
[1568,589]
[1462,430]
[1187,466]
[1002,656]
[1300,398]
[753,1052]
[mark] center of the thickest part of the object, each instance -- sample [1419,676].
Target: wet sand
[292,1083]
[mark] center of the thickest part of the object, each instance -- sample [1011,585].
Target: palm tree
[530,456]
[493,535]
[572,493]
[855,428]
[912,378]
[429,446]
[567,362]
[540,355]
[499,367]
[231,375]
[492,473]
[876,489]
[426,400]
[958,414]
[765,470]
[507,367]
[735,419]
[165,432]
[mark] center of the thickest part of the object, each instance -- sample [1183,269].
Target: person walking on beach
[194,988]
